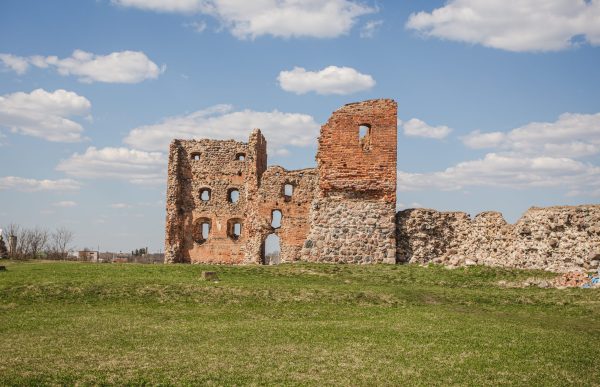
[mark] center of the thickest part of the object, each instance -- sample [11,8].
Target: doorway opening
[271,250]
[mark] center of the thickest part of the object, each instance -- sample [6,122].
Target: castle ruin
[223,201]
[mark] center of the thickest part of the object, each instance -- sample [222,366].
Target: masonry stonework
[561,238]
[222,202]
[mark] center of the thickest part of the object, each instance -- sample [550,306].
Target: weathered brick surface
[218,171]
[561,238]
[294,211]
[347,164]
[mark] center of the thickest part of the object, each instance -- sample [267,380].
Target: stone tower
[352,218]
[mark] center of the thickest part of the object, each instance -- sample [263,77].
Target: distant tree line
[38,242]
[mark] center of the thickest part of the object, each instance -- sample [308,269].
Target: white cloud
[330,80]
[65,204]
[132,165]
[519,25]
[15,63]
[279,18]
[417,128]
[175,6]
[221,123]
[120,205]
[370,27]
[44,114]
[32,185]
[539,154]
[478,140]
[116,67]
[499,170]
[572,135]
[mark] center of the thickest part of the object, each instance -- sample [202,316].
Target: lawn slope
[67,323]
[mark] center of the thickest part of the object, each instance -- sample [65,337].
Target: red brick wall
[368,168]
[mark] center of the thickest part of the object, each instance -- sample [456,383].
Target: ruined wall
[294,208]
[344,211]
[341,212]
[347,230]
[352,217]
[350,164]
[196,166]
[560,238]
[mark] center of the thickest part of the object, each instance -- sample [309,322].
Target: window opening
[202,231]
[240,156]
[205,194]
[364,136]
[288,190]
[233,195]
[234,228]
[195,156]
[205,230]
[276,218]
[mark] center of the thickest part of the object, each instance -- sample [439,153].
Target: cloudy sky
[499,107]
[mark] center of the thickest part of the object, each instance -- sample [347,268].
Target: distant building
[88,256]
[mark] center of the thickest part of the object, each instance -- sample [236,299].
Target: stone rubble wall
[350,231]
[560,239]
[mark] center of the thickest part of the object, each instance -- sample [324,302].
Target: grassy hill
[67,323]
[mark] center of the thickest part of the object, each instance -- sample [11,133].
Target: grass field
[76,323]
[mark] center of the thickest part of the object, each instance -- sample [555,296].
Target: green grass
[75,323]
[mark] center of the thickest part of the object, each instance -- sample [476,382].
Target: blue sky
[499,107]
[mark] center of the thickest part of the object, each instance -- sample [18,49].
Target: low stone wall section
[560,239]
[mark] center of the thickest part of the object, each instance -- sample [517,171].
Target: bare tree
[34,242]
[24,237]
[38,241]
[60,242]
[11,229]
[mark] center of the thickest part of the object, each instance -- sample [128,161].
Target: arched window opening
[205,194]
[202,230]
[364,136]
[195,156]
[233,195]
[240,156]
[276,218]
[271,250]
[234,228]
